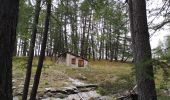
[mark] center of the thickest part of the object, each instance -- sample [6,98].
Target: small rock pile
[74,92]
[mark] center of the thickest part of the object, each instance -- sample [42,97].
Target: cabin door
[81,63]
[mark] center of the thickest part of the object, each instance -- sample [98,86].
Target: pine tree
[42,54]
[31,50]
[8,24]
[142,50]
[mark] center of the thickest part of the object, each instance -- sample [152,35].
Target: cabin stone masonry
[71,59]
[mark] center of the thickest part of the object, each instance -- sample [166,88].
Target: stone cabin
[71,59]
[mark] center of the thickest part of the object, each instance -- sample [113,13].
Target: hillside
[111,77]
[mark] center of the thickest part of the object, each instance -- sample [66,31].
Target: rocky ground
[77,90]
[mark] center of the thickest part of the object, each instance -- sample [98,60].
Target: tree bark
[93,47]
[42,54]
[142,50]
[24,47]
[31,50]
[87,38]
[8,23]
[15,48]
[116,51]
[83,37]
[124,47]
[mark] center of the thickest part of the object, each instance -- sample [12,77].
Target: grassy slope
[110,75]
[55,75]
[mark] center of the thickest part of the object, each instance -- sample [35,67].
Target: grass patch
[120,85]
[55,75]
[112,77]
[164,98]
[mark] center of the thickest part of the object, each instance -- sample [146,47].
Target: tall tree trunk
[72,21]
[76,28]
[31,50]
[51,43]
[93,47]
[42,54]
[65,33]
[124,47]
[87,38]
[116,47]
[8,23]
[19,47]
[24,47]
[89,56]
[142,50]
[15,49]
[39,43]
[65,26]
[61,37]
[106,50]
[111,43]
[83,37]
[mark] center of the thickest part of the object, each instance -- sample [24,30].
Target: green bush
[164,98]
[112,87]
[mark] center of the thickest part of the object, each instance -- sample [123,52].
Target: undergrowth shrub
[123,83]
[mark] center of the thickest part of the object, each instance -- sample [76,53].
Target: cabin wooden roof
[76,55]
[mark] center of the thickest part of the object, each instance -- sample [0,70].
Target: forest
[84,50]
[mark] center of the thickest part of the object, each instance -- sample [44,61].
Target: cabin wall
[85,63]
[69,58]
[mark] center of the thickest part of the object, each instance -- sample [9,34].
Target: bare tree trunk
[42,54]
[116,47]
[31,51]
[61,37]
[24,47]
[87,38]
[124,47]
[39,43]
[83,37]
[65,33]
[19,47]
[106,50]
[65,26]
[15,49]
[76,29]
[142,50]
[93,48]
[111,43]
[8,23]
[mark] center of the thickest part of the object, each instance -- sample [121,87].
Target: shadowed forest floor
[112,77]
